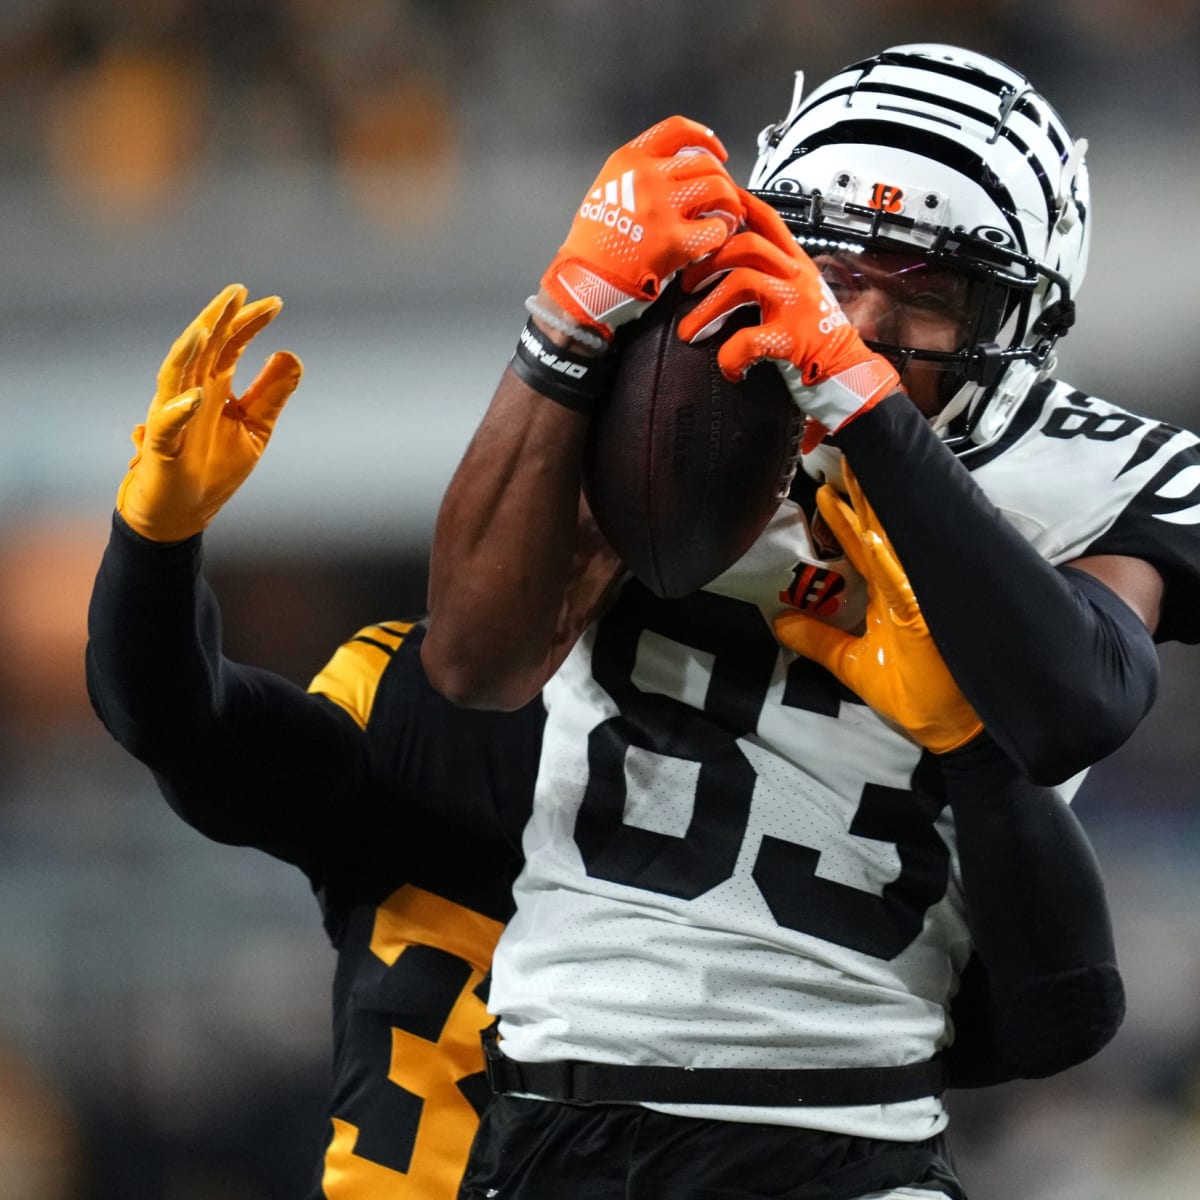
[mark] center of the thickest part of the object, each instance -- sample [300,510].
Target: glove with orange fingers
[831,372]
[662,201]
[894,665]
[199,441]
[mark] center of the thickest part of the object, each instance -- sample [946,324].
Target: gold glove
[199,441]
[894,664]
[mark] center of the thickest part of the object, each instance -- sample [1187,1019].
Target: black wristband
[573,380]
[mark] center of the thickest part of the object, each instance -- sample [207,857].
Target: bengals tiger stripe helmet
[955,155]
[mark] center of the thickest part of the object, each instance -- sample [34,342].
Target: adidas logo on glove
[610,204]
[832,308]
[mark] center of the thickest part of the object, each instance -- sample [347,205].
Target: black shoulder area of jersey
[450,792]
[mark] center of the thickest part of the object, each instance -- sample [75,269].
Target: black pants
[551,1150]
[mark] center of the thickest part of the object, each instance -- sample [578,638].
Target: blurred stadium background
[400,172]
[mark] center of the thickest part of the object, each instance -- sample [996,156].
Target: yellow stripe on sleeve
[351,677]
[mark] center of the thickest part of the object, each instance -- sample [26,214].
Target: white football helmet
[953,154]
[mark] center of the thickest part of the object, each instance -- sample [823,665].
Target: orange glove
[894,665]
[661,201]
[832,374]
[199,441]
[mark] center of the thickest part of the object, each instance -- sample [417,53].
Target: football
[683,469]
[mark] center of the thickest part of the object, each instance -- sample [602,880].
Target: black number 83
[743,655]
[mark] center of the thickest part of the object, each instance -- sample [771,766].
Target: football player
[735,869]
[405,813]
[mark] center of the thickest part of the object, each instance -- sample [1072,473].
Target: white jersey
[732,861]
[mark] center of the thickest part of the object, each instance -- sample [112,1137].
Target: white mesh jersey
[732,862]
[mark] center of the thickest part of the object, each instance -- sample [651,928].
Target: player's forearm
[240,753]
[152,625]
[1038,912]
[270,769]
[503,551]
[1059,669]
[156,673]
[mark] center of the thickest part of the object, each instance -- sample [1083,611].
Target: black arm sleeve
[245,756]
[1059,668]
[1044,992]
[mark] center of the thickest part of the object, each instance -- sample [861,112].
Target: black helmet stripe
[938,66]
[1042,114]
[1058,136]
[1039,172]
[887,89]
[917,141]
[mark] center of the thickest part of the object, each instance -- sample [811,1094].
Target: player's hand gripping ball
[661,201]
[683,468]
[832,374]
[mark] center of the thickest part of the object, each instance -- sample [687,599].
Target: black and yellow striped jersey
[403,811]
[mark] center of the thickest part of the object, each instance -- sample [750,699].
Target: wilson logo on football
[887,198]
[613,204]
[815,590]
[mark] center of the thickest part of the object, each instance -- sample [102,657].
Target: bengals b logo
[815,590]
[887,198]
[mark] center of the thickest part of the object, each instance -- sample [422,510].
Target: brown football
[682,468]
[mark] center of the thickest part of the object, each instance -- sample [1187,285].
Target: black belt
[614,1083]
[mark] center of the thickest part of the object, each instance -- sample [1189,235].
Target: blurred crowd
[164,1027]
[122,105]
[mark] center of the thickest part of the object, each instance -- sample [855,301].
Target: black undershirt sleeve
[1044,992]
[1059,668]
[242,754]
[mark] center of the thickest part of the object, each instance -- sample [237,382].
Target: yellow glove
[894,665]
[199,441]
